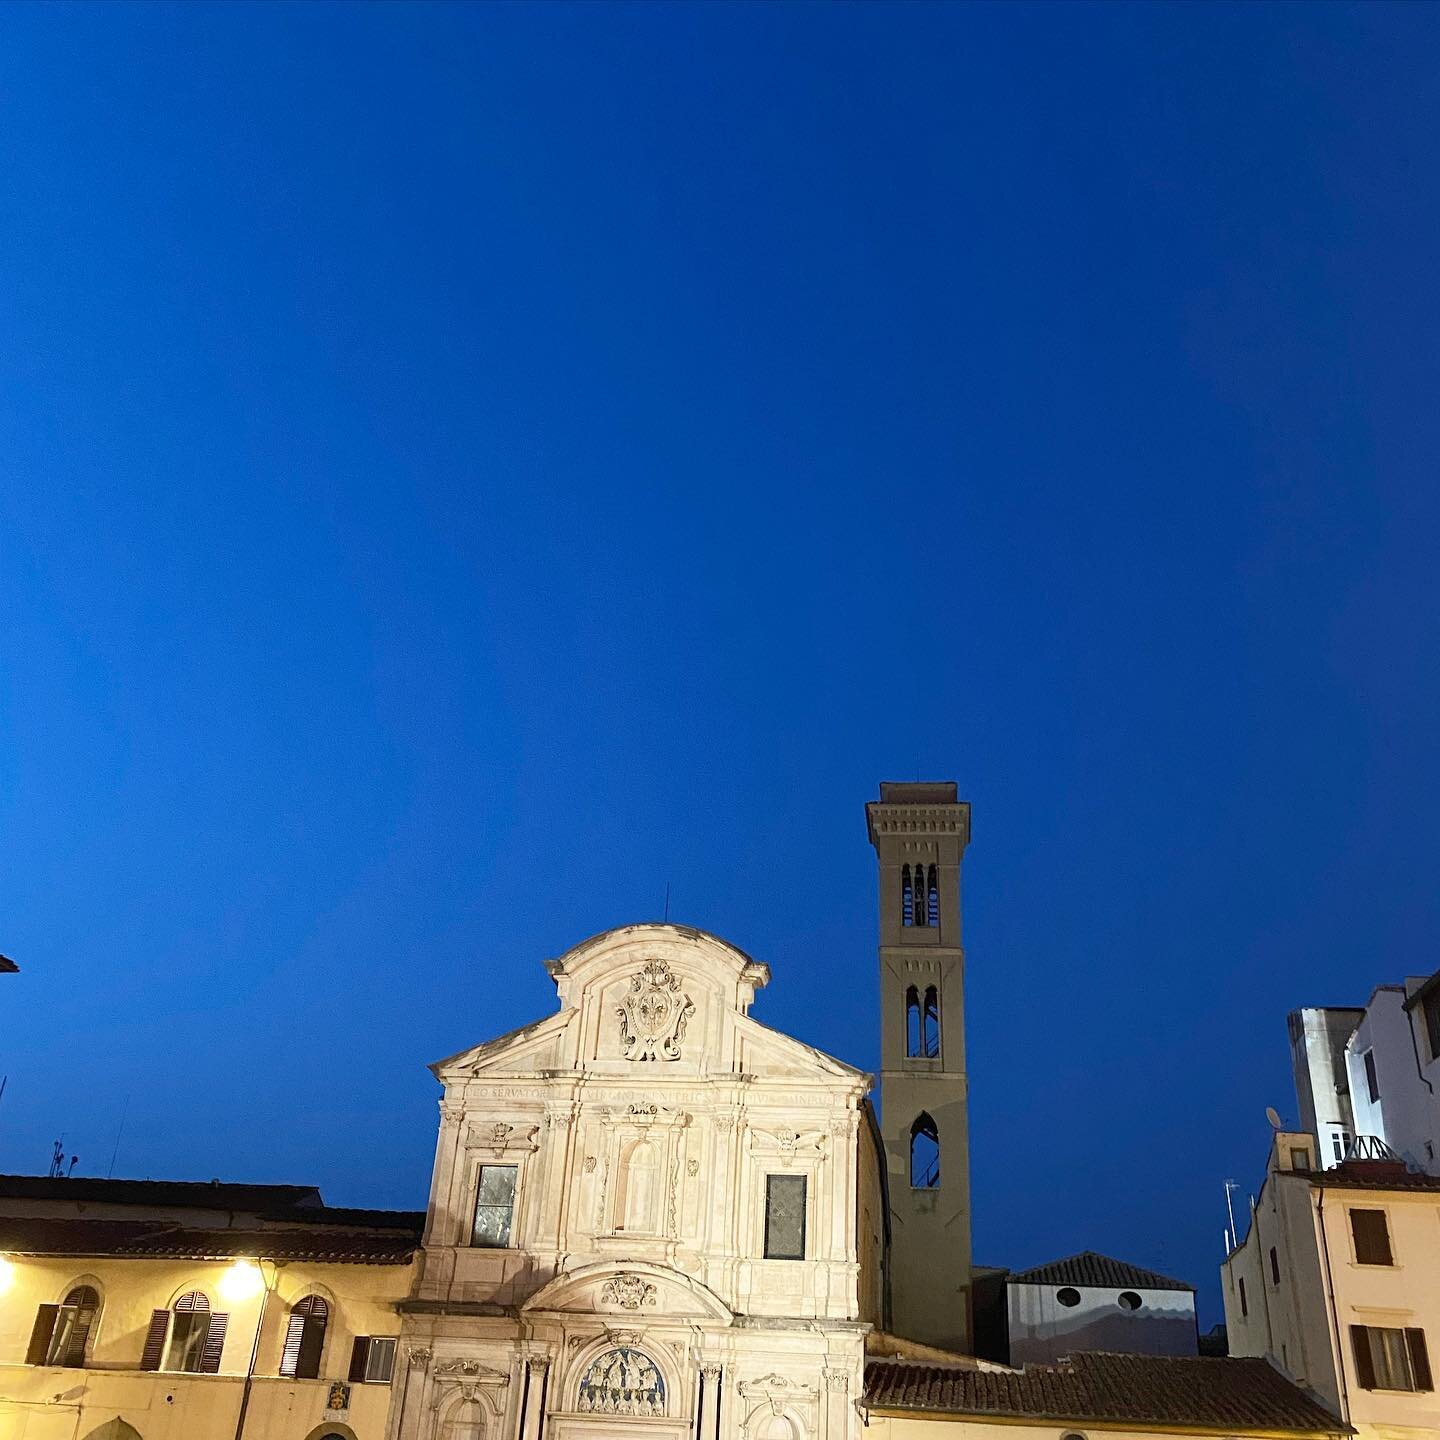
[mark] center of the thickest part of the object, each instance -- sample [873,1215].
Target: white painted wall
[1041,1328]
[1407,1114]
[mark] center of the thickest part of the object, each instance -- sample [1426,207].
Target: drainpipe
[1330,1305]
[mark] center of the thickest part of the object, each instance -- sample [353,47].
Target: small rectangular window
[1371,1236]
[494,1206]
[1244,1307]
[1337,1144]
[784,1217]
[1299,1158]
[1372,1081]
[1432,1024]
[1274,1267]
[380,1359]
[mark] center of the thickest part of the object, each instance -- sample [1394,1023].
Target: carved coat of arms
[653,1015]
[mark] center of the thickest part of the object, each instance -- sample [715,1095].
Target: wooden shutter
[312,1342]
[1364,1361]
[1372,1237]
[214,1344]
[155,1340]
[294,1333]
[80,1333]
[1419,1359]
[359,1355]
[39,1350]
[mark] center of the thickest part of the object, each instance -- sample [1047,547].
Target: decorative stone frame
[784,1151]
[577,1366]
[620,1130]
[497,1142]
[458,1380]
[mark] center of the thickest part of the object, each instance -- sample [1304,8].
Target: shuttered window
[197,1337]
[1372,1237]
[73,1324]
[784,1217]
[305,1338]
[1390,1359]
[62,1332]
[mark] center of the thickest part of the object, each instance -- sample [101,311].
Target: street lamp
[243,1280]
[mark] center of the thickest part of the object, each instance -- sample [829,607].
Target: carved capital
[420,1356]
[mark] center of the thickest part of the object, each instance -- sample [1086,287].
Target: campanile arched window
[908,902]
[914,1034]
[930,1024]
[932,898]
[924,1154]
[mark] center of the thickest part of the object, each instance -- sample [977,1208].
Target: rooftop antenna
[57,1159]
[667,902]
[111,1171]
[1231,1186]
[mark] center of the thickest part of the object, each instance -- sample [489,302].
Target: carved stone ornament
[654,1014]
[420,1356]
[629,1292]
[622,1381]
[589,1164]
[692,1168]
[497,1136]
[623,1337]
[461,1369]
[837,1380]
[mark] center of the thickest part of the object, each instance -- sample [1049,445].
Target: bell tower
[919,833]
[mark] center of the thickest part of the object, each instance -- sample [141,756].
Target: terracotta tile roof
[198,1194]
[43,1235]
[1091,1268]
[1207,1394]
[351,1218]
[1372,1175]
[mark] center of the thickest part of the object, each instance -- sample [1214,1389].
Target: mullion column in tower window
[494,1206]
[785,1217]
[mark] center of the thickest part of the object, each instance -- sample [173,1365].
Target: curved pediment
[630,1292]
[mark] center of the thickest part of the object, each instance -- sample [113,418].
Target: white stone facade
[643,1126]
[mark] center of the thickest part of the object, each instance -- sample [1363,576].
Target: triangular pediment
[519,1052]
[764,1052]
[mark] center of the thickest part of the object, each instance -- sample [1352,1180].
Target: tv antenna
[1231,1186]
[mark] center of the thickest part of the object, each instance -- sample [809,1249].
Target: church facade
[650,1216]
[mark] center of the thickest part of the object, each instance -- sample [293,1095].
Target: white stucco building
[1372,1073]
[1093,1302]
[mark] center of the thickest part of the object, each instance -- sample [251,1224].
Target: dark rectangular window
[1390,1359]
[1371,1236]
[1244,1307]
[1274,1267]
[1299,1158]
[494,1206]
[1432,1024]
[372,1359]
[784,1217]
[1372,1082]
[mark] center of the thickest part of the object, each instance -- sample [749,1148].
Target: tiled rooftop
[1208,1394]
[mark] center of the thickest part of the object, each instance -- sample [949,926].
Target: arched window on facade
[914,1039]
[924,1154]
[305,1338]
[637,1198]
[930,1023]
[62,1332]
[187,1338]
[932,897]
[907,897]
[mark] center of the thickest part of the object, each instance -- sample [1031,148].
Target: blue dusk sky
[463,470]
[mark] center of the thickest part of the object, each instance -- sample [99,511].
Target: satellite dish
[1273,1116]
